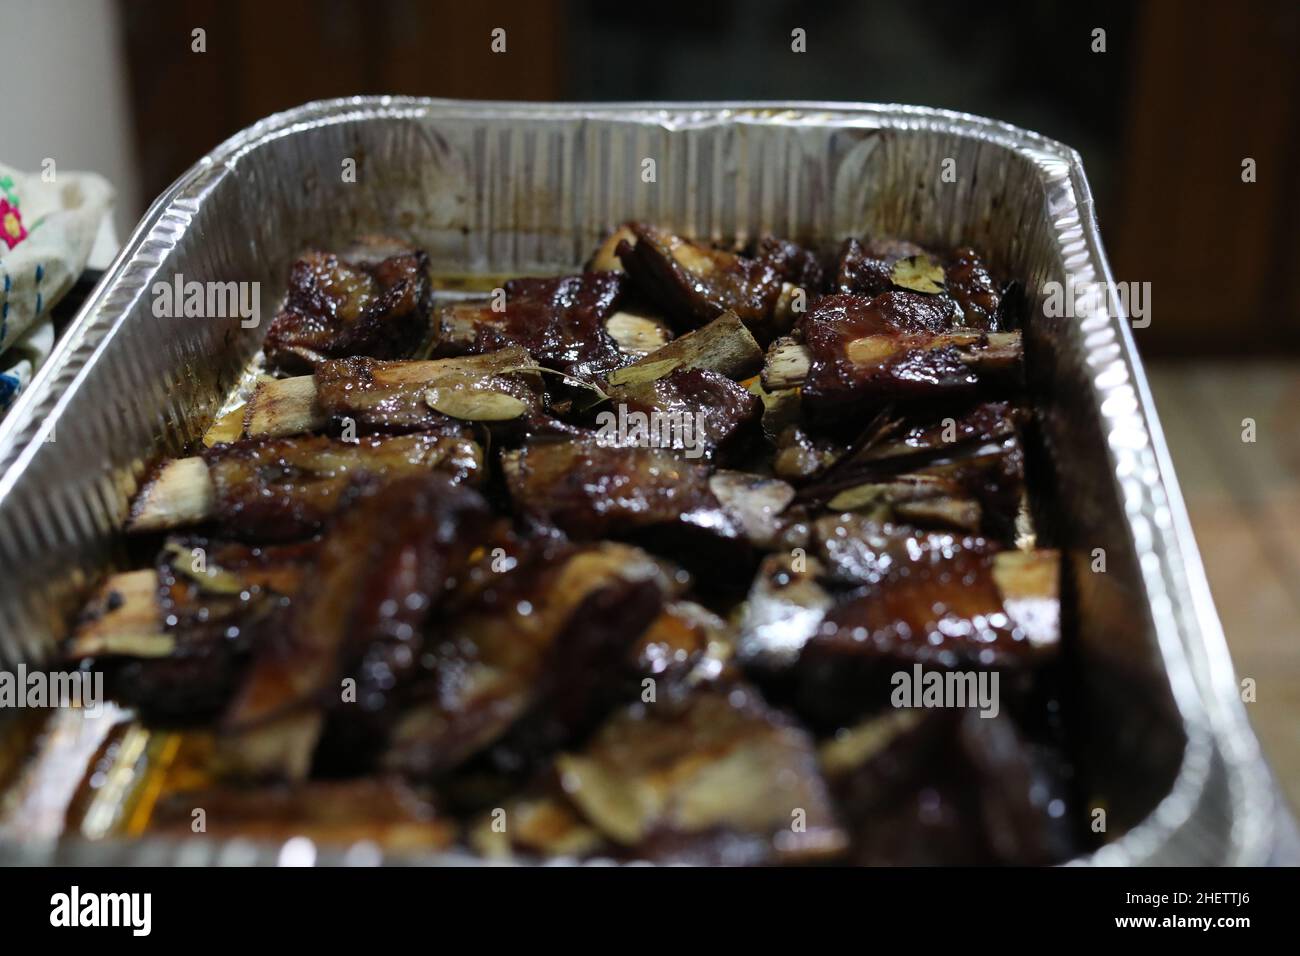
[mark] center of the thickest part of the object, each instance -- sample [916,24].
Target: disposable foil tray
[509,188]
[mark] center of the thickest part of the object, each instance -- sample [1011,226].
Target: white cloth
[47,230]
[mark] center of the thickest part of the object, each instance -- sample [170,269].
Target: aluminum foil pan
[506,188]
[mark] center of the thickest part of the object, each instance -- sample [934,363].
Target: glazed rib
[278,488]
[789,364]
[381,396]
[560,322]
[647,596]
[337,307]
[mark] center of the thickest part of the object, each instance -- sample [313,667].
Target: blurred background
[1184,92]
[1182,95]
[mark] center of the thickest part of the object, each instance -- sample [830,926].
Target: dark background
[1163,118]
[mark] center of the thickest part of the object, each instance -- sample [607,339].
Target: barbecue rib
[764,591]
[336,308]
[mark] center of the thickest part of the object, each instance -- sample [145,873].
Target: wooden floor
[1244,501]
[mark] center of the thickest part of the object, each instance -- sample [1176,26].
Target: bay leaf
[918,273]
[475,404]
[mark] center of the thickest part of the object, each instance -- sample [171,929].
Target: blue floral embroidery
[8,389]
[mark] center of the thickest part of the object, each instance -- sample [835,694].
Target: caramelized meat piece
[936,597]
[840,319]
[763,507]
[948,788]
[833,633]
[867,269]
[685,647]
[969,293]
[969,283]
[381,811]
[635,331]
[605,258]
[943,611]
[897,346]
[394,396]
[963,470]
[649,496]
[712,524]
[275,489]
[382,569]
[855,550]
[584,644]
[590,490]
[792,263]
[718,778]
[214,601]
[800,456]
[336,308]
[534,660]
[714,413]
[919,438]
[696,284]
[559,322]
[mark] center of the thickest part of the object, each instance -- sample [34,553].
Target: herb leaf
[918,273]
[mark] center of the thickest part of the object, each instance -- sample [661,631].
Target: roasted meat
[651,496]
[700,413]
[792,263]
[177,646]
[559,322]
[281,488]
[355,636]
[590,490]
[719,778]
[867,269]
[536,659]
[962,286]
[898,347]
[380,571]
[831,632]
[964,470]
[695,283]
[337,308]
[415,396]
[765,591]
[948,787]
[976,294]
